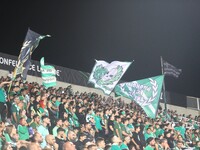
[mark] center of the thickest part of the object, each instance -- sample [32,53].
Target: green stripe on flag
[48,74]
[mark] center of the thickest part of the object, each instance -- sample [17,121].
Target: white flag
[105,76]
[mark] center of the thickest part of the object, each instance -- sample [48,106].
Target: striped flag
[170,70]
[48,74]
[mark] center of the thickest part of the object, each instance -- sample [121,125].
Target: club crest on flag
[105,76]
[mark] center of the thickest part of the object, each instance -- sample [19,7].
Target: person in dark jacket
[80,143]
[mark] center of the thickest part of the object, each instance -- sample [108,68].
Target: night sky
[123,30]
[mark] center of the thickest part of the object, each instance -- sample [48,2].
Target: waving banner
[31,42]
[105,76]
[145,92]
[170,70]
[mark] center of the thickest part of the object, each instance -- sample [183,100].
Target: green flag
[145,92]
[48,74]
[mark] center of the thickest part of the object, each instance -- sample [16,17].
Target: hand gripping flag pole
[31,42]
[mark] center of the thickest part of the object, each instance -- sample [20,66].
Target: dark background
[123,30]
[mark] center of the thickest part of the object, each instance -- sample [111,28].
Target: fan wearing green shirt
[124,144]
[115,143]
[117,127]
[148,134]
[196,137]
[151,144]
[53,101]
[197,147]
[15,110]
[23,129]
[130,124]
[57,103]
[159,131]
[125,129]
[181,129]
[58,125]
[36,122]
[98,125]
[3,100]
[24,94]
[74,117]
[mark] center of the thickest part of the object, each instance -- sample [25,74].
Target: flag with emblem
[105,75]
[31,42]
[48,74]
[145,92]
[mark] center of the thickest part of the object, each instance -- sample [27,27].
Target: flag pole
[163,86]
[13,77]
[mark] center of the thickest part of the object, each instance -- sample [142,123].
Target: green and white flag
[145,92]
[48,74]
[105,76]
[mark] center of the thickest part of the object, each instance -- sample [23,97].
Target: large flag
[170,70]
[48,74]
[31,42]
[105,76]
[145,92]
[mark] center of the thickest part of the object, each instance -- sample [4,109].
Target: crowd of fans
[36,118]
